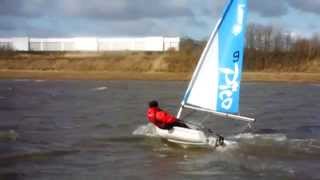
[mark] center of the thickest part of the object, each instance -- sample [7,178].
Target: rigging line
[191,122]
[198,123]
[188,114]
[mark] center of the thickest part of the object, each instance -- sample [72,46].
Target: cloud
[269,8]
[312,6]
[125,9]
[12,7]
[23,8]
[94,17]
[10,25]
[7,26]
[97,9]
[280,8]
[130,17]
[137,9]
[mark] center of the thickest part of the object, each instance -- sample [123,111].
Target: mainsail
[215,83]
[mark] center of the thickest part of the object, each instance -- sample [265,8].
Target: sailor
[161,118]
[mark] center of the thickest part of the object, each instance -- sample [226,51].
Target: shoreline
[159,76]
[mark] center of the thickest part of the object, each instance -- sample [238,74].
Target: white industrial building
[17,43]
[94,44]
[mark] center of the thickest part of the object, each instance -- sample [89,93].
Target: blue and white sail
[215,84]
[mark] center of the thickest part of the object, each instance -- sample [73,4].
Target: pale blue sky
[192,18]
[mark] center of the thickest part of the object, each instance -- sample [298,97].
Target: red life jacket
[159,117]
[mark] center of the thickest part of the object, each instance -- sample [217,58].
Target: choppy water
[84,130]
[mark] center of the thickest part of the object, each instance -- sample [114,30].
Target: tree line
[271,49]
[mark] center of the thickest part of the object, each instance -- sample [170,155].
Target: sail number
[236,56]
[230,85]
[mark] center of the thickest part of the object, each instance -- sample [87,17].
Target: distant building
[153,44]
[16,43]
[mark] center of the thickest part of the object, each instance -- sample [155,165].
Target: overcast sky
[192,18]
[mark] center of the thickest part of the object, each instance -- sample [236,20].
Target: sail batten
[215,83]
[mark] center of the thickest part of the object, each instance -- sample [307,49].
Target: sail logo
[230,84]
[237,28]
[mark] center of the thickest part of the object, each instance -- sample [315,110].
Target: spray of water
[145,130]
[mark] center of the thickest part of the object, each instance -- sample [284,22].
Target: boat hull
[186,136]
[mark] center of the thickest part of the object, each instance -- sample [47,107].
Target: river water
[97,130]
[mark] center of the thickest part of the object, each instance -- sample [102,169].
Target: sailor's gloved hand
[179,120]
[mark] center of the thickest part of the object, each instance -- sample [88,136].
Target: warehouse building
[153,44]
[17,43]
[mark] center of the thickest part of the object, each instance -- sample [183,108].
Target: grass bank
[130,66]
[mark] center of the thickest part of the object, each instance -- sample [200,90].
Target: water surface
[85,130]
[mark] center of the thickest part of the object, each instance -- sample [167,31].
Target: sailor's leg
[179,123]
[167,126]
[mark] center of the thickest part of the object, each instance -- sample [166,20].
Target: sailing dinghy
[215,83]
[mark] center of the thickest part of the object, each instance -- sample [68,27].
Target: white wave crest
[228,145]
[102,88]
[276,137]
[145,130]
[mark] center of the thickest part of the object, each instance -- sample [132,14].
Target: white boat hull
[186,136]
